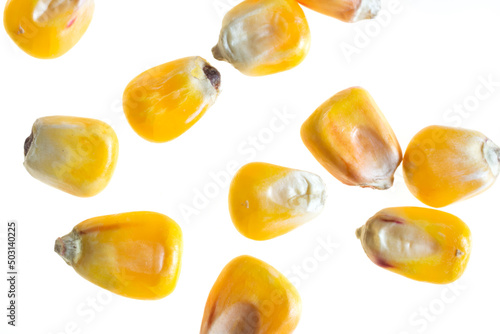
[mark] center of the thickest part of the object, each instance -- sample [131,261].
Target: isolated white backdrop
[429,57]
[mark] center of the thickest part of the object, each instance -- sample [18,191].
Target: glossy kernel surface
[164,102]
[266,201]
[443,165]
[422,244]
[351,138]
[47,28]
[134,254]
[251,297]
[73,154]
[261,37]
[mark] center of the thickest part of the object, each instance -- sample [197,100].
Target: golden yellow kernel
[251,297]
[165,101]
[47,28]
[266,201]
[345,10]
[73,154]
[261,37]
[134,254]
[350,137]
[422,244]
[443,165]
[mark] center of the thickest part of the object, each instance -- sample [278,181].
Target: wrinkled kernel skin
[250,296]
[266,201]
[262,37]
[446,238]
[443,165]
[164,102]
[343,10]
[350,137]
[52,34]
[73,154]
[135,254]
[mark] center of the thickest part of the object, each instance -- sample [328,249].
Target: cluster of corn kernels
[138,254]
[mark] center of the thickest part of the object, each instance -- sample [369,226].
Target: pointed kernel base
[69,247]
[217,54]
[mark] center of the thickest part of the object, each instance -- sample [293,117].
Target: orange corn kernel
[251,297]
[422,244]
[266,201]
[350,137]
[73,154]
[260,37]
[47,28]
[443,165]
[345,10]
[135,254]
[165,101]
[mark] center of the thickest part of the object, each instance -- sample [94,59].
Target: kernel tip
[359,232]
[216,53]
[212,75]
[27,143]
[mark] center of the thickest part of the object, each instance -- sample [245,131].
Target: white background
[428,57]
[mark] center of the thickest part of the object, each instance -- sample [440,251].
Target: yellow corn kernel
[350,137]
[47,28]
[134,254]
[73,154]
[260,37]
[165,101]
[251,297]
[266,201]
[443,165]
[345,10]
[422,244]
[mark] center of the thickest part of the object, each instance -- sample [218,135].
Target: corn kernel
[345,10]
[261,37]
[266,201]
[350,137]
[134,254]
[73,154]
[422,244]
[251,297]
[47,28]
[443,165]
[165,101]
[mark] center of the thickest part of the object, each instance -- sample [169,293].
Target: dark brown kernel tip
[213,75]
[27,144]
